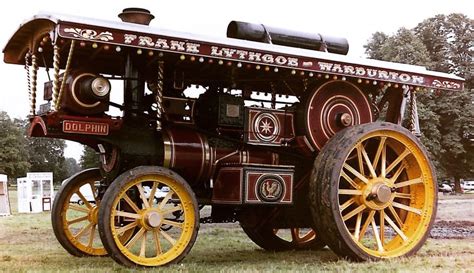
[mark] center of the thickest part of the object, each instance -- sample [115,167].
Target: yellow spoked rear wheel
[166,227]
[74,215]
[374,185]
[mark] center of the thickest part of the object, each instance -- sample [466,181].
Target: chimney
[136,16]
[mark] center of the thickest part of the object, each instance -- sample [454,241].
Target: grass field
[27,244]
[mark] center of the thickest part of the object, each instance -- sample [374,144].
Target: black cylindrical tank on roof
[278,36]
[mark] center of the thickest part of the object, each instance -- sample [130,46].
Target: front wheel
[373,192]
[74,215]
[165,232]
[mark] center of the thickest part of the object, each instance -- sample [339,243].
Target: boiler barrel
[189,154]
[314,41]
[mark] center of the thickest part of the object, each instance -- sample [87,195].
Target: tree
[44,154]
[20,154]
[47,155]
[373,46]
[13,157]
[403,47]
[450,43]
[406,47]
[71,166]
[443,43]
[89,158]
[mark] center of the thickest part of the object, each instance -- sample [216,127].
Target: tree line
[20,154]
[442,43]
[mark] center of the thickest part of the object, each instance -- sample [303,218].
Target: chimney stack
[136,16]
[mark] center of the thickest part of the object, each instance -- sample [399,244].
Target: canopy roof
[121,34]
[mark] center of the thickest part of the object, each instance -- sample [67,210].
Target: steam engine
[282,136]
[230,152]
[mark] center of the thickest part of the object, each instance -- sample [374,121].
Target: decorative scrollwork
[90,34]
[446,84]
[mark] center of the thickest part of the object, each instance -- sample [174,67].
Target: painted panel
[254,55]
[269,127]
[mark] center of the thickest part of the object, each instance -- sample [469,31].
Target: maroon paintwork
[269,127]
[164,43]
[51,125]
[254,184]
[327,104]
[331,91]
[190,154]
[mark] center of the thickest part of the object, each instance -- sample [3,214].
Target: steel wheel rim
[386,196]
[151,245]
[84,219]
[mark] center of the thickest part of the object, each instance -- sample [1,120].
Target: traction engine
[276,129]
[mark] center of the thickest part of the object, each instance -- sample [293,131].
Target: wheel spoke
[171,210]
[77,220]
[130,202]
[398,172]
[152,193]
[395,215]
[409,182]
[350,180]
[382,226]
[121,230]
[156,237]
[142,195]
[78,208]
[94,191]
[377,236]
[353,212]
[83,230]
[356,173]
[143,245]
[349,192]
[347,204]
[360,159]
[172,223]
[383,164]
[402,195]
[398,160]
[127,214]
[91,238]
[295,232]
[308,236]
[88,205]
[357,227]
[407,208]
[168,237]
[379,151]
[367,161]
[165,200]
[394,226]
[135,238]
[369,219]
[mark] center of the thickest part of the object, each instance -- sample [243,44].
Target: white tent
[35,192]
[4,201]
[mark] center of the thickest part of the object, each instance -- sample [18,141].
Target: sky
[354,20]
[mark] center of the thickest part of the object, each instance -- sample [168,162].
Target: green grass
[27,244]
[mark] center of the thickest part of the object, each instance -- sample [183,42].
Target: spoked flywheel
[165,230]
[284,239]
[74,214]
[373,192]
